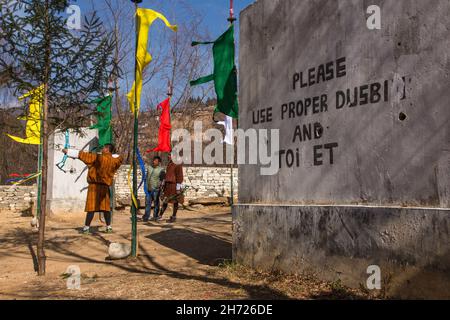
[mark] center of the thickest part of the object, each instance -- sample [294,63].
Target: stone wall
[203,182]
[17,198]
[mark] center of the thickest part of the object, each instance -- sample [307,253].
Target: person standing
[155,176]
[172,188]
[102,168]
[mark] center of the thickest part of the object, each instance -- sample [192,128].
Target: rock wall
[17,198]
[203,182]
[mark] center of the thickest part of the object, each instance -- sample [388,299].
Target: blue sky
[213,14]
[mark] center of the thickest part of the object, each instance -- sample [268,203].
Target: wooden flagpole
[134,208]
[231,19]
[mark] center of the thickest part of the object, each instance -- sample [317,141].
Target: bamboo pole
[44,138]
[39,179]
[134,209]
[112,87]
[231,19]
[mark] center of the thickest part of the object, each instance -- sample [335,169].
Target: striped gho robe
[102,168]
[173,183]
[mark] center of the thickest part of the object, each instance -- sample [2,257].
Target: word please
[323,73]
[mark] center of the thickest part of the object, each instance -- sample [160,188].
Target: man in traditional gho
[102,168]
[172,188]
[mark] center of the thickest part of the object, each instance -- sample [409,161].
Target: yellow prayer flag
[33,129]
[145,18]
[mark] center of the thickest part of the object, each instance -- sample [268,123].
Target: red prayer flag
[164,144]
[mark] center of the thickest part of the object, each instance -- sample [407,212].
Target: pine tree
[37,48]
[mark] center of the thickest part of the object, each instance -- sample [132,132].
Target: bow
[62,163]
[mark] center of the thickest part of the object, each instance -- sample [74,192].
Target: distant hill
[22,159]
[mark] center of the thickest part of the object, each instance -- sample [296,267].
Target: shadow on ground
[204,248]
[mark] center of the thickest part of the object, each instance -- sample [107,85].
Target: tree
[174,61]
[120,15]
[37,48]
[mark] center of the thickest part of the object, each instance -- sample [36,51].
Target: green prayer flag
[225,75]
[104,116]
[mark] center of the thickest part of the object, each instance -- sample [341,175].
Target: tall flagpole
[231,19]
[134,209]
[169,95]
[112,189]
[39,179]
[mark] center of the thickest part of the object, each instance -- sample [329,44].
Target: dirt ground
[186,260]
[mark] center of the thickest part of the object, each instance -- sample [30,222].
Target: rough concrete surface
[380,159]
[364,124]
[411,245]
[67,190]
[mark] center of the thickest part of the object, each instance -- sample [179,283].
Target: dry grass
[293,286]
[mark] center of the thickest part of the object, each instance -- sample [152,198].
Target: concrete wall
[67,190]
[411,246]
[379,159]
[388,151]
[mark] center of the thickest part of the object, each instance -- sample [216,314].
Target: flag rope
[34,176]
[143,181]
[133,198]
